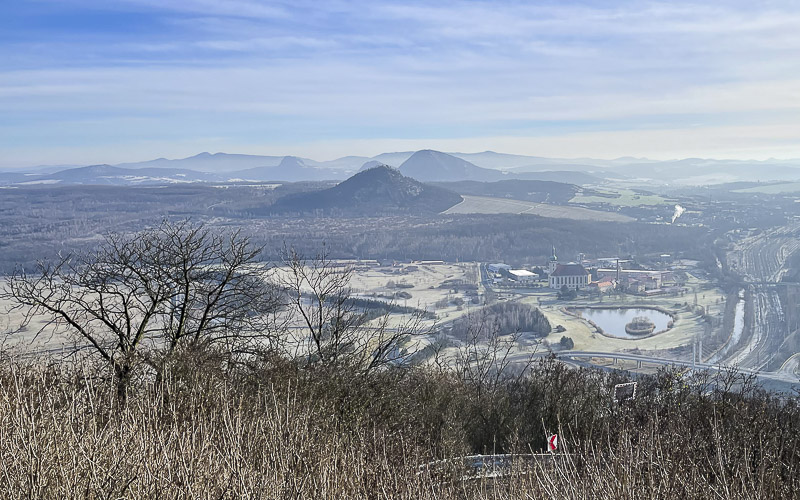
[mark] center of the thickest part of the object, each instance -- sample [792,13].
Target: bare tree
[140,298]
[334,329]
[489,363]
[485,358]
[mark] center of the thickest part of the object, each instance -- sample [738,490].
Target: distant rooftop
[521,273]
[571,269]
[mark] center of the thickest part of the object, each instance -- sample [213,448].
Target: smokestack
[678,212]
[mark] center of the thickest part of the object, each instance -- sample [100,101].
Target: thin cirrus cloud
[328,78]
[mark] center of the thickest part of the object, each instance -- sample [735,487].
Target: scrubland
[270,428]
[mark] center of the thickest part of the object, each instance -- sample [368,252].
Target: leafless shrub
[335,331]
[283,431]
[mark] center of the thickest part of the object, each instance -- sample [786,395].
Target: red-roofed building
[573,276]
[603,286]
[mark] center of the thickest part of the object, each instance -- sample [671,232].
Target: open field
[621,198]
[425,283]
[784,187]
[430,288]
[28,338]
[427,286]
[486,205]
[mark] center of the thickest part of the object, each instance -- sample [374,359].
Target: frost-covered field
[425,283]
[33,337]
[487,205]
[425,287]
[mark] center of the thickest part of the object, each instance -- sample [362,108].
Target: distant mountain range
[698,171]
[107,174]
[206,162]
[424,165]
[290,169]
[375,191]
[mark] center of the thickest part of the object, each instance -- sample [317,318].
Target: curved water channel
[738,328]
[613,320]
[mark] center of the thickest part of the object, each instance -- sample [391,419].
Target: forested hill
[378,190]
[539,191]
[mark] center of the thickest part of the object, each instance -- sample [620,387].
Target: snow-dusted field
[487,205]
[426,280]
[13,337]
[426,290]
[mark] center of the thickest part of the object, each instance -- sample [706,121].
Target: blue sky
[91,81]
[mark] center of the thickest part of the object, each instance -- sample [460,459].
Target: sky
[108,81]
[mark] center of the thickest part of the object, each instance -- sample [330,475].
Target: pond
[613,320]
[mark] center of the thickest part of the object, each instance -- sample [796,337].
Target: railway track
[761,260]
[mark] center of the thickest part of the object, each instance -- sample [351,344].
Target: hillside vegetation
[192,373]
[270,429]
[527,190]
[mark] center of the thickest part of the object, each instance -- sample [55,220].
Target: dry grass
[65,441]
[285,433]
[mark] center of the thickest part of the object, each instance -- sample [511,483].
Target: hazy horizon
[330,159]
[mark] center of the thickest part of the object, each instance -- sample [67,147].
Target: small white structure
[574,276]
[522,275]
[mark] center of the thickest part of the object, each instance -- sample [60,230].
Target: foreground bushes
[273,430]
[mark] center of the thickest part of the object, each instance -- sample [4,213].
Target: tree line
[40,222]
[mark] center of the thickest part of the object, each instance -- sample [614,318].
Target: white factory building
[522,275]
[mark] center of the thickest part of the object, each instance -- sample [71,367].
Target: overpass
[640,360]
[768,283]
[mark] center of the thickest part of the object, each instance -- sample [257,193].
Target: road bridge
[642,359]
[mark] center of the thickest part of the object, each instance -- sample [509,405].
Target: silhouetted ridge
[428,165]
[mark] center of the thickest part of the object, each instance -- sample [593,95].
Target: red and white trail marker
[552,443]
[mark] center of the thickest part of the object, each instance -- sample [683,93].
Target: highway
[791,367]
[783,381]
[665,362]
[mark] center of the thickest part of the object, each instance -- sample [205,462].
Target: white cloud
[562,75]
[334,91]
[233,8]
